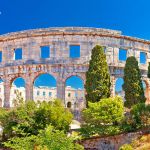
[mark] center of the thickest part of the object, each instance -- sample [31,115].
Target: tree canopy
[133,87]
[97,77]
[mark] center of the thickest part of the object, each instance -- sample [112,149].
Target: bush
[141,115]
[32,117]
[103,117]
[126,147]
[48,139]
[105,112]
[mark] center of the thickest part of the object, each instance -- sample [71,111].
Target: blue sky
[129,16]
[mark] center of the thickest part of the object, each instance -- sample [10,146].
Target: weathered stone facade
[60,65]
[110,142]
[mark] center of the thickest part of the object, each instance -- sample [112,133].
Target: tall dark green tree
[97,77]
[148,74]
[133,87]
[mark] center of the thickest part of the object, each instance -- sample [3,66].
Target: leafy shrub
[48,139]
[140,115]
[32,117]
[126,147]
[103,117]
[107,111]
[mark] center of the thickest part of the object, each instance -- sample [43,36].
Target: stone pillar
[130,52]
[29,88]
[147,91]
[113,84]
[7,87]
[116,55]
[109,54]
[61,90]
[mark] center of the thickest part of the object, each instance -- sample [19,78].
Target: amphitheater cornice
[72,31]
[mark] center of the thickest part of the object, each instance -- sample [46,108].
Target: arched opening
[44,88]
[1,92]
[17,91]
[74,93]
[118,87]
[69,104]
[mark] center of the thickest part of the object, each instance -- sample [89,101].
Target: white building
[74,98]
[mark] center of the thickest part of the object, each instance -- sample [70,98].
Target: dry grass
[143,143]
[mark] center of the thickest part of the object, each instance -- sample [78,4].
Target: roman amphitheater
[58,61]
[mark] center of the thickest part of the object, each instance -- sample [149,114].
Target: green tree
[31,117]
[148,74]
[107,111]
[47,139]
[103,117]
[97,77]
[140,114]
[132,86]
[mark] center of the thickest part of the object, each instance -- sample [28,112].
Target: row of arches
[45,89]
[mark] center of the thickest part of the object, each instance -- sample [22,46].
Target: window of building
[74,51]
[50,94]
[0,56]
[142,58]
[69,94]
[76,94]
[38,93]
[18,54]
[122,55]
[45,52]
[44,93]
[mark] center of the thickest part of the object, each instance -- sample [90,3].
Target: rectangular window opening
[122,55]
[69,94]
[44,93]
[50,94]
[18,54]
[142,57]
[45,52]
[74,51]
[38,93]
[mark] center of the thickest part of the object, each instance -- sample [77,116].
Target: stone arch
[17,88]
[44,87]
[80,75]
[118,87]
[37,74]
[147,89]
[75,93]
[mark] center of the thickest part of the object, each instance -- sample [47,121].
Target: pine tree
[133,87]
[148,74]
[97,77]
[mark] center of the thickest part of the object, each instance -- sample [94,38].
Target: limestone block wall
[59,64]
[110,142]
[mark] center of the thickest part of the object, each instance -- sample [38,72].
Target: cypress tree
[97,77]
[148,74]
[133,87]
